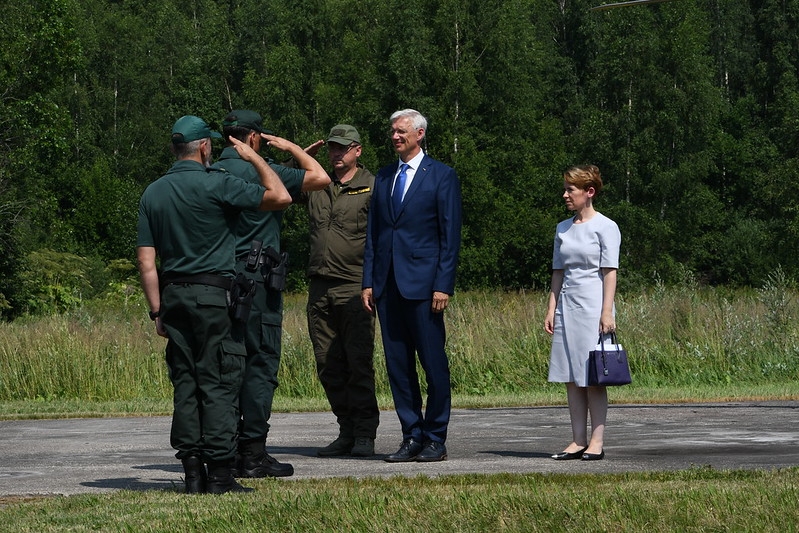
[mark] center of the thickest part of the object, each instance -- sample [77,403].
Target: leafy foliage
[689,108]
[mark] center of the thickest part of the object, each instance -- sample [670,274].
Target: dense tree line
[689,107]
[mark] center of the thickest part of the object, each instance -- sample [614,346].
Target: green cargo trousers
[342,334]
[206,366]
[263,338]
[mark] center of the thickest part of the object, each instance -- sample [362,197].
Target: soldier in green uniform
[263,333]
[341,331]
[186,220]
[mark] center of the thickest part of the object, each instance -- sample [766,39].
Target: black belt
[213,280]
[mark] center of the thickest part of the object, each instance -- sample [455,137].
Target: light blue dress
[581,250]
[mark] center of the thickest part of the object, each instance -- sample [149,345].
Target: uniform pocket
[212,298]
[231,361]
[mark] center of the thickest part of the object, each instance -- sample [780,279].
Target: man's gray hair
[417,119]
[186,150]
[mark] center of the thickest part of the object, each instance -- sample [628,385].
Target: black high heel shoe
[568,456]
[594,456]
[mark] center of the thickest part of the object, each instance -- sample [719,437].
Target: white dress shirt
[413,165]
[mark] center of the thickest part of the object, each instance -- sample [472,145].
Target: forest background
[690,108]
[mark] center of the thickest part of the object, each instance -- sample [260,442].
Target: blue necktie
[399,187]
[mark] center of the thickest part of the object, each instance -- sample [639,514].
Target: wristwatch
[154,314]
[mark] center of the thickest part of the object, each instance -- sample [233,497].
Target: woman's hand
[607,323]
[549,322]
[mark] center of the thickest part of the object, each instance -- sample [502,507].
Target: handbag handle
[613,340]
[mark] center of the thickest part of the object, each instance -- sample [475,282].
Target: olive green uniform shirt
[338,217]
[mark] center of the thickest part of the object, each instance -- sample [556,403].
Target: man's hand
[313,149]
[368,301]
[440,301]
[284,145]
[160,329]
[315,178]
[244,150]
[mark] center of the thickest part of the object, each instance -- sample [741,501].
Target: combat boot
[221,480]
[363,447]
[341,446]
[253,461]
[195,475]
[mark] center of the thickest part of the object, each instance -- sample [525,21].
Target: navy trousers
[409,328]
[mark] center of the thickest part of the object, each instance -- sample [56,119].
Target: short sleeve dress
[580,250]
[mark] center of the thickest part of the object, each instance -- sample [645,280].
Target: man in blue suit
[412,243]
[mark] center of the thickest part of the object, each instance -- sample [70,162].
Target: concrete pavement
[42,457]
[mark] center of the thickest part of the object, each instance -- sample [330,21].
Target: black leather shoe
[432,451]
[221,480]
[594,456]
[568,456]
[407,452]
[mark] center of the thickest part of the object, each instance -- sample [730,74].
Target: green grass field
[692,500]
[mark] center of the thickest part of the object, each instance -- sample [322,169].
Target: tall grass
[691,335]
[677,337]
[95,354]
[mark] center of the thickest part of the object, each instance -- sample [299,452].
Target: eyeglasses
[335,147]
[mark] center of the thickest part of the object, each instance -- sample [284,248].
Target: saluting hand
[284,145]
[244,150]
[313,149]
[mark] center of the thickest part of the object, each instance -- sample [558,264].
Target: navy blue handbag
[608,366]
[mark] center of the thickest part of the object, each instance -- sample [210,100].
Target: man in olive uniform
[186,218]
[263,334]
[341,331]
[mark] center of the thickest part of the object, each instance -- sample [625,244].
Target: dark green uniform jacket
[188,216]
[263,226]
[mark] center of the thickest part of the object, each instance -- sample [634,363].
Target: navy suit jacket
[422,241]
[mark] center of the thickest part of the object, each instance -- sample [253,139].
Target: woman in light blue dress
[581,305]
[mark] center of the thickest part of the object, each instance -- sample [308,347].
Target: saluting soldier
[264,328]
